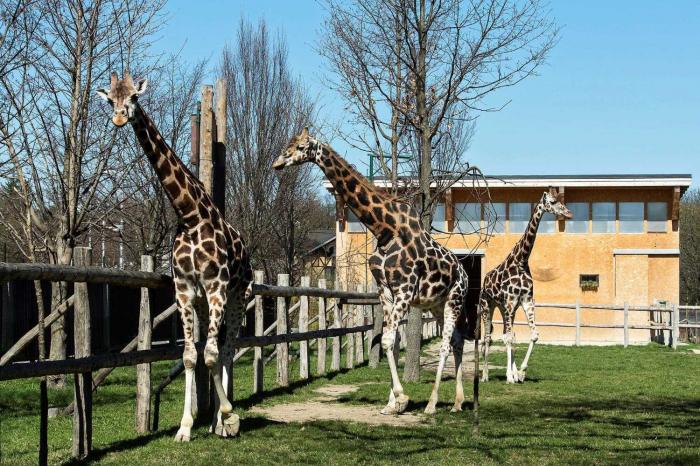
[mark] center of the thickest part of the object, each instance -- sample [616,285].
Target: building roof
[585,181]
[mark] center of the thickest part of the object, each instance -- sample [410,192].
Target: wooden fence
[352,316]
[672,323]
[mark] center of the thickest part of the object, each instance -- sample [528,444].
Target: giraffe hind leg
[398,400]
[529,308]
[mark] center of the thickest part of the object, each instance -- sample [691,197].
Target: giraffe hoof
[457,408]
[484,378]
[182,435]
[521,377]
[401,403]
[388,410]
[430,409]
[229,427]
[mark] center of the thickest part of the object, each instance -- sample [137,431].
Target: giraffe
[209,257]
[409,266]
[509,286]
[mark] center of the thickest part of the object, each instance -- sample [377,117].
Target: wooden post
[337,323]
[578,323]
[219,152]
[106,318]
[675,333]
[303,327]
[359,336]
[282,348]
[626,328]
[258,363]
[375,346]
[321,348]
[143,371]
[194,143]
[7,326]
[349,338]
[206,133]
[82,415]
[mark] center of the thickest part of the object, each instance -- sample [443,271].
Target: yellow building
[621,246]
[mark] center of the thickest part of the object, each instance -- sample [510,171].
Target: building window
[603,217]
[354,224]
[548,223]
[497,216]
[468,218]
[519,216]
[579,220]
[631,217]
[657,215]
[589,282]
[439,223]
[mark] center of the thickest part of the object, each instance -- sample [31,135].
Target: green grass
[591,405]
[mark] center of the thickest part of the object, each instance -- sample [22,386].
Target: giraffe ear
[552,191]
[141,86]
[104,93]
[305,132]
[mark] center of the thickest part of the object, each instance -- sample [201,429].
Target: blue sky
[620,92]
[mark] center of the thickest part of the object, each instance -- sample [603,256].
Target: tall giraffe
[410,268]
[209,256]
[509,286]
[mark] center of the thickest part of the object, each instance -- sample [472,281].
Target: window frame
[473,228]
[570,222]
[614,219]
[651,223]
[510,217]
[620,220]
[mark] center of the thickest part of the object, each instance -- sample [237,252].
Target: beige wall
[559,258]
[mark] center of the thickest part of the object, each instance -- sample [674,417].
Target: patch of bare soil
[431,358]
[326,407]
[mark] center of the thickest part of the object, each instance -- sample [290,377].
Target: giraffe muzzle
[280,163]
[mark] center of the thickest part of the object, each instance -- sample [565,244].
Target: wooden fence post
[360,336]
[349,338]
[675,333]
[82,415]
[578,323]
[282,348]
[337,323]
[258,363]
[143,371]
[375,345]
[321,344]
[626,329]
[303,327]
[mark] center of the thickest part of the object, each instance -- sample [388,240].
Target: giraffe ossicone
[408,265]
[510,286]
[209,257]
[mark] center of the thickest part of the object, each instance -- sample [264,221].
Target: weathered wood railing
[349,318]
[672,326]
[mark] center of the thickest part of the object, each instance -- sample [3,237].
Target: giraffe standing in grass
[509,286]
[209,257]
[410,268]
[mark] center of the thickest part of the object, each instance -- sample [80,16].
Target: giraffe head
[301,148]
[122,95]
[552,202]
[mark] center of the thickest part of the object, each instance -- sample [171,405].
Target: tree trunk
[411,371]
[59,293]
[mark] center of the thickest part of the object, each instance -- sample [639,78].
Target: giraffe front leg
[398,401]
[458,351]
[184,297]
[529,307]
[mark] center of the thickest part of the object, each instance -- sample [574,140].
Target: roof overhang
[574,181]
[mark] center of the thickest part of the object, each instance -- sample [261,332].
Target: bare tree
[690,248]
[422,70]
[59,145]
[266,106]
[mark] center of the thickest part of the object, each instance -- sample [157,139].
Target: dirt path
[326,407]
[328,404]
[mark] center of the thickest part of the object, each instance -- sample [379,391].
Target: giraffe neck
[183,189]
[379,212]
[524,246]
